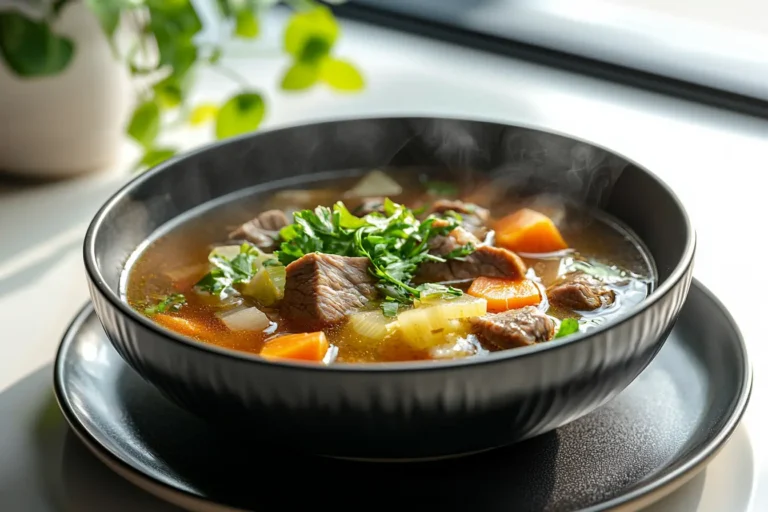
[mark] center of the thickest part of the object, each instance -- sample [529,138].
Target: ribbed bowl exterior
[397,412]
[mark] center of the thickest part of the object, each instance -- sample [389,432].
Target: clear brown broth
[175,261]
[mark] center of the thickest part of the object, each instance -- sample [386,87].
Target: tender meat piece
[322,289]
[485,261]
[263,230]
[514,328]
[370,205]
[578,291]
[462,208]
[475,218]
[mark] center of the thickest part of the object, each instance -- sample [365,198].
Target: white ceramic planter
[68,123]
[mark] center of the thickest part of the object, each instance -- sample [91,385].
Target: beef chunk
[462,208]
[322,289]
[263,230]
[484,261]
[475,219]
[578,291]
[514,328]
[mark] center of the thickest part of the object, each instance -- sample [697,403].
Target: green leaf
[108,14]
[145,123]
[310,33]
[178,53]
[389,308]
[345,218]
[567,326]
[154,156]
[29,47]
[315,50]
[341,75]
[300,76]
[174,23]
[240,114]
[168,92]
[203,113]
[246,24]
[172,302]
[174,18]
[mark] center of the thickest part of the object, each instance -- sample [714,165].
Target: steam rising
[522,162]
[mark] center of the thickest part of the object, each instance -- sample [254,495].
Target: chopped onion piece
[375,184]
[427,326]
[248,319]
[331,354]
[371,325]
[225,251]
[267,286]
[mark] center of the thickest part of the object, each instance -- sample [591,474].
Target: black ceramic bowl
[403,410]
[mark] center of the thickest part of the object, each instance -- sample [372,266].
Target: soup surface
[388,267]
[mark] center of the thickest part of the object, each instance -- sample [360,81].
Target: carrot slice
[306,346]
[504,294]
[180,325]
[529,231]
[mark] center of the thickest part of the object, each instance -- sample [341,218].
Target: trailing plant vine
[30,48]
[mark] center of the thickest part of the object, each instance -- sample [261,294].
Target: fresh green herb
[460,252]
[271,262]
[395,243]
[389,308]
[172,302]
[454,215]
[442,188]
[567,326]
[228,272]
[433,291]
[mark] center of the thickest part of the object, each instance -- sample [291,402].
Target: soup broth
[493,273]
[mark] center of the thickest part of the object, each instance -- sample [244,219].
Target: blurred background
[94,91]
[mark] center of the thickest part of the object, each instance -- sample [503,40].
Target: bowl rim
[98,281]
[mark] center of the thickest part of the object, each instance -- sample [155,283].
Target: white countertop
[715,160]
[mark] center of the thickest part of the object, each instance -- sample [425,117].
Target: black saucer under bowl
[653,437]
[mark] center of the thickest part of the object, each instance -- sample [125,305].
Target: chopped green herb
[460,252]
[395,242]
[172,302]
[433,291]
[389,308]
[567,326]
[229,272]
[271,262]
[442,188]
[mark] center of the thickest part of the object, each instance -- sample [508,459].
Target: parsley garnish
[395,243]
[567,326]
[460,252]
[227,273]
[389,308]
[172,302]
[435,290]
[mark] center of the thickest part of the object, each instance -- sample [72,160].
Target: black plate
[654,436]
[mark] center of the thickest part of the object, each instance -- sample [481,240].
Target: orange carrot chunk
[180,325]
[306,346]
[504,294]
[529,231]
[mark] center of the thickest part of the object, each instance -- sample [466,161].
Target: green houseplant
[164,51]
